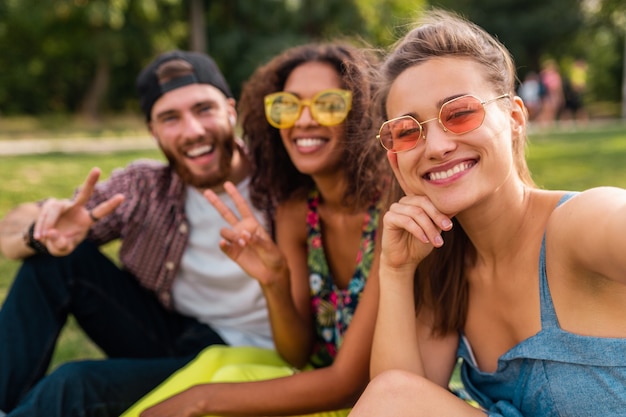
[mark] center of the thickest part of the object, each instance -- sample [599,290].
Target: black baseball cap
[205,71]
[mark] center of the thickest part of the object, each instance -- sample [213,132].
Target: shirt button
[169,265]
[183,228]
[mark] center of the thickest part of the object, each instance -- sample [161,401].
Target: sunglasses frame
[346,96]
[420,125]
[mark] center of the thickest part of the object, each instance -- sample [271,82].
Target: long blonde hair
[439,279]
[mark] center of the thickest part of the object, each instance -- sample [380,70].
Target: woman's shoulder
[291,216]
[294,206]
[593,201]
[559,202]
[584,260]
[583,220]
[602,192]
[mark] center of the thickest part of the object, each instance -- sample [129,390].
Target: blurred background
[64,61]
[68,69]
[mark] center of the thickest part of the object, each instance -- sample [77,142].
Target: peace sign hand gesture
[63,224]
[247,242]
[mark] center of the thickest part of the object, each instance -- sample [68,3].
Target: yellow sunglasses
[328,107]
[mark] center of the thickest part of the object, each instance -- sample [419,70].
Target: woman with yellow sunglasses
[319,170]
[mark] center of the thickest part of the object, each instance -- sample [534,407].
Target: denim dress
[553,373]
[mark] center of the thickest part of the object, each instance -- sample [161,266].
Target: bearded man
[173,291]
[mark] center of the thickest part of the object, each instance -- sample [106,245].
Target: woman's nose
[306,117]
[438,141]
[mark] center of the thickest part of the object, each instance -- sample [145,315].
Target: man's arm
[13,228]
[58,225]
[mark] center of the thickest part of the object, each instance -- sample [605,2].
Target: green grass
[32,177]
[577,160]
[559,159]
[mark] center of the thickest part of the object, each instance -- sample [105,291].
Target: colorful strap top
[333,308]
[553,373]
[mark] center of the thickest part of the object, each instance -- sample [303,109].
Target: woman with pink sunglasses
[526,286]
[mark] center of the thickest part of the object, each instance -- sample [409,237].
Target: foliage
[60,54]
[606,34]
[528,28]
[243,34]
[82,56]
[386,20]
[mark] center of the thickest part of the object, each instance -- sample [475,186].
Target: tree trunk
[91,104]
[196,24]
[624,82]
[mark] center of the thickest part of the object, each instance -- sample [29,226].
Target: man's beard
[224,144]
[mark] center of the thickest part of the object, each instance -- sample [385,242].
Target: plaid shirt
[151,223]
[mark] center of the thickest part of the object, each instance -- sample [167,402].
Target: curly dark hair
[275,178]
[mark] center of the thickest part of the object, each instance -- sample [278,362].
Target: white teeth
[442,175]
[200,150]
[309,142]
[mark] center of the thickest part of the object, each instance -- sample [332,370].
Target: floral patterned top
[332,307]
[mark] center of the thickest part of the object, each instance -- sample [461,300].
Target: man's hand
[63,224]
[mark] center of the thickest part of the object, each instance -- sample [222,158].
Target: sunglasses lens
[282,109]
[400,134]
[462,115]
[330,108]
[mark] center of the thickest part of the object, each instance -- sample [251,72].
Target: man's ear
[232,111]
[151,130]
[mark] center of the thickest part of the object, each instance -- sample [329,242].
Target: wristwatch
[33,243]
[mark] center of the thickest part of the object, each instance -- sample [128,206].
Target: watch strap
[33,243]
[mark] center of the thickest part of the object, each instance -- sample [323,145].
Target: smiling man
[175,292]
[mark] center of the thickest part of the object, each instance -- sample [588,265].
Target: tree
[82,56]
[530,29]
[71,55]
[244,34]
[197,28]
[608,25]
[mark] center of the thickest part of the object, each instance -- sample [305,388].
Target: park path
[95,145]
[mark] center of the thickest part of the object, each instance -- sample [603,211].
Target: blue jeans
[144,343]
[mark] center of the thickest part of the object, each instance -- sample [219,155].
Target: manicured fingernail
[438,240]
